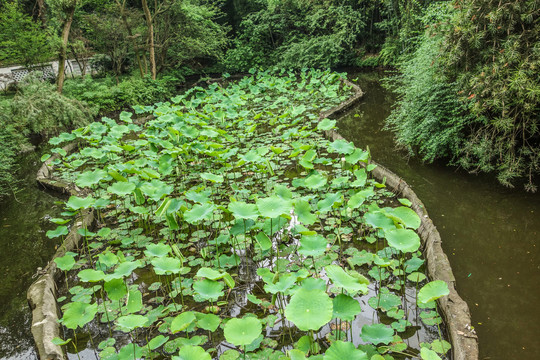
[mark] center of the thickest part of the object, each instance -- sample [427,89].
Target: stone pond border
[41,294]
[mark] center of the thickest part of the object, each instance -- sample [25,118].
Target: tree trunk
[62,57]
[122,8]
[42,13]
[151,46]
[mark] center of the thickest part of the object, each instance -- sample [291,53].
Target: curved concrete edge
[41,295]
[454,309]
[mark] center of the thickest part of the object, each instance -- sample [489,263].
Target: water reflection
[24,247]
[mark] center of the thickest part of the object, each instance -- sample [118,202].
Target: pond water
[24,248]
[489,232]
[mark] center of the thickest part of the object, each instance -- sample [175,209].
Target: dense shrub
[429,117]
[36,109]
[39,109]
[105,95]
[470,91]
[493,53]
[297,34]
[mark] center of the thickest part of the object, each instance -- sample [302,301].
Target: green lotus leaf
[127,352]
[295,354]
[216,275]
[131,322]
[284,283]
[428,354]
[377,334]
[361,178]
[125,269]
[352,284]
[340,350]
[302,209]
[157,250]
[405,240]
[242,210]
[416,277]
[91,275]
[306,160]
[283,192]
[208,322]
[432,291]
[413,264]
[356,156]
[242,331]
[208,289]
[331,201]
[59,341]
[385,300]
[107,259]
[76,203]
[78,314]
[313,283]
[264,241]
[157,341]
[356,201]
[315,181]
[199,212]
[312,245]
[190,352]
[134,301]
[212,177]
[273,206]
[345,307]
[309,309]
[341,147]
[404,215]
[59,231]
[59,221]
[379,220]
[90,178]
[182,322]
[326,124]
[116,289]
[66,262]
[166,265]
[121,188]
[440,346]
[199,197]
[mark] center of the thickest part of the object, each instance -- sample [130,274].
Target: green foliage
[105,95]
[36,109]
[21,39]
[470,91]
[493,53]
[297,34]
[429,116]
[10,141]
[196,32]
[39,109]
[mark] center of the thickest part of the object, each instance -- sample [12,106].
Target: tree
[121,4]
[21,39]
[64,10]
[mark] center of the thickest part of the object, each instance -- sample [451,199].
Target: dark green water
[489,232]
[23,248]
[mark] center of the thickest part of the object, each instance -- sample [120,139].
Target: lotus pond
[229,227]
